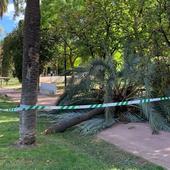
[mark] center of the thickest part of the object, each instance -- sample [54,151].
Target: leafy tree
[13,51]
[7,64]
[137,29]
[1,50]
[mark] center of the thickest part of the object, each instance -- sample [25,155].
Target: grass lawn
[12,83]
[66,151]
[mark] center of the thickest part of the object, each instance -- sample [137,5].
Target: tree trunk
[65,65]
[63,125]
[30,71]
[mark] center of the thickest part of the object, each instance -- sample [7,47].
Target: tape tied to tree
[91,106]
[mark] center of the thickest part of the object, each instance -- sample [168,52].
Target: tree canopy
[94,29]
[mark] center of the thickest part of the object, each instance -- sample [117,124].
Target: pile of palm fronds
[100,82]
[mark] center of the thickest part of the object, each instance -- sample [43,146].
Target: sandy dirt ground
[15,95]
[137,138]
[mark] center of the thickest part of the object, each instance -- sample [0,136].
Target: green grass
[13,82]
[65,151]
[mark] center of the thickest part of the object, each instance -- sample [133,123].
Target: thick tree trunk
[63,125]
[30,71]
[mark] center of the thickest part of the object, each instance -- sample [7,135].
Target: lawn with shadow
[64,151]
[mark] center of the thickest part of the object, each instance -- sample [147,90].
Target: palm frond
[91,126]
[3,7]
[156,120]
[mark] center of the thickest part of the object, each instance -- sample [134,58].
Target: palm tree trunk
[30,71]
[65,124]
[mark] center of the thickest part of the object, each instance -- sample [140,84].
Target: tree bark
[63,125]
[30,71]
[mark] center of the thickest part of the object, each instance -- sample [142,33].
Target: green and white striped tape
[91,106]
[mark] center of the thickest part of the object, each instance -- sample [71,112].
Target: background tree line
[90,29]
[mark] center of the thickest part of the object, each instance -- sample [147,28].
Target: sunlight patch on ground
[9,120]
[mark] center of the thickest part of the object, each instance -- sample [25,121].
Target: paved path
[137,138]
[15,95]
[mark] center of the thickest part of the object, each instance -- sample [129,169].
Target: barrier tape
[91,106]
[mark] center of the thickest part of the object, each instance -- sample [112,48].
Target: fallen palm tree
[63,125]
[101,83]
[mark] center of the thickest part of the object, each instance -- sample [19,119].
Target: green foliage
[91,126]
[13,51]
[91,29]
[112,85]
[157,77]
[7,64]
[157,83]
[156,118]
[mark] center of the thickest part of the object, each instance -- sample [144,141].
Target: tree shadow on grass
[62,151]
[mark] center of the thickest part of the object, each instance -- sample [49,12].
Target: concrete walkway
[15,95]
[137,138]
